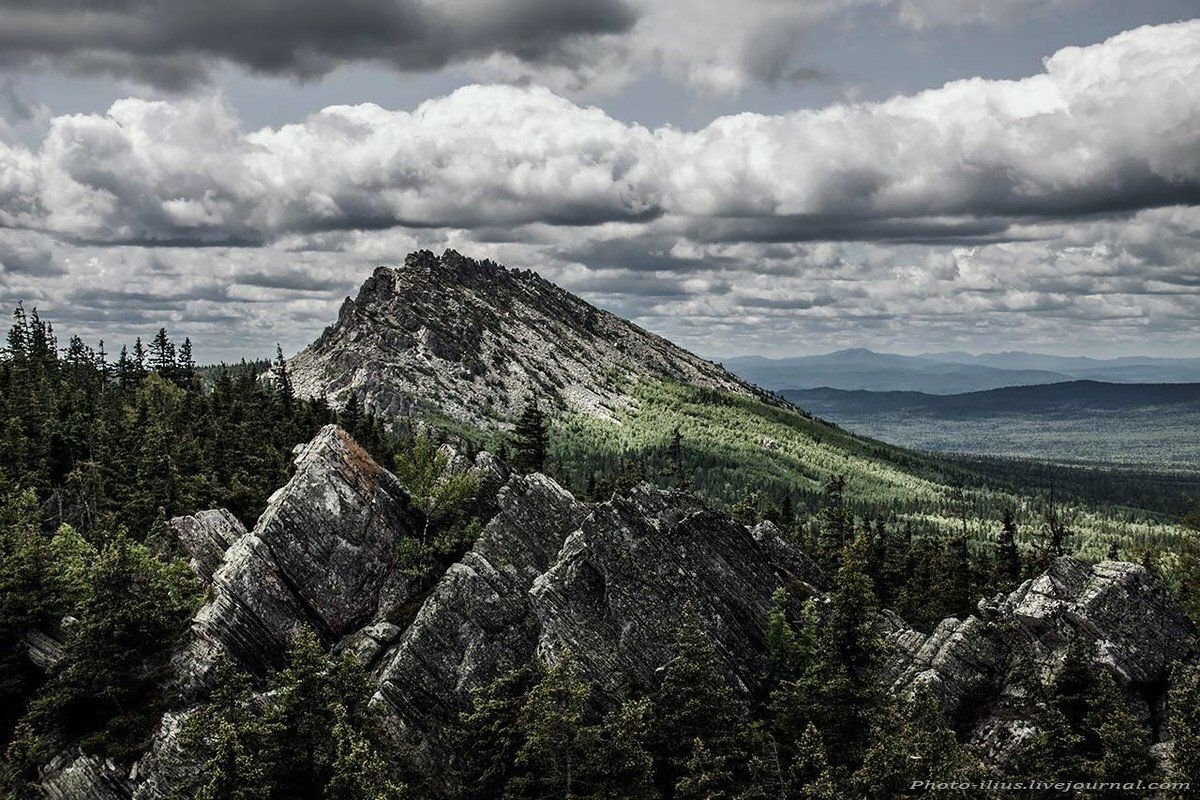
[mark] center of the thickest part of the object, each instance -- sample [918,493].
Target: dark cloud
[173,44]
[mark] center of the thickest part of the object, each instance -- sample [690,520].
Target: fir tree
[701,721]
[1183,767]
[552,757]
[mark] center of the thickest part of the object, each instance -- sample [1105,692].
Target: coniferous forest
[102,449]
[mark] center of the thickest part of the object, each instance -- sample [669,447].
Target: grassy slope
[734,445]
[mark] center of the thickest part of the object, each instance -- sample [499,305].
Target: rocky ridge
[481,339]
[609,581]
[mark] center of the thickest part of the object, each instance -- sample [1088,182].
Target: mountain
[464,344]
[1154,426]
[881,372]
[413,615]
[1123,369]
[471,340]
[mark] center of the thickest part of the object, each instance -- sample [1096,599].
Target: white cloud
[1111,127]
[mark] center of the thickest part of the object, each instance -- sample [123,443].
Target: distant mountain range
[953,372]
[1079,421]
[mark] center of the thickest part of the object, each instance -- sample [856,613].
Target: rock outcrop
[323,556]
[611,582]
[620,589]
[206,536]
[1121,613]
[478,623]
[477,339]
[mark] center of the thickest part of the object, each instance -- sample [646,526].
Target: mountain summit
[478,339]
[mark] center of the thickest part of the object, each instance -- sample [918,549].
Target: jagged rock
[322,556]
[624,582]
[206,536]
[612,583]
[1123,612]
[73,775]
[475,340]
[164,765]
[478,623]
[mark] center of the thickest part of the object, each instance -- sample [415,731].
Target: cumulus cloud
[1110,128]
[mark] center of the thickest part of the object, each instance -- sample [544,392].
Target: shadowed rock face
[478,623]
[481,339]
[323,556]
[1120,610]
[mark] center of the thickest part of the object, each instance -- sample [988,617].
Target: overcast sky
[770,176]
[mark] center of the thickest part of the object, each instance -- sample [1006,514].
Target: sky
[768,176]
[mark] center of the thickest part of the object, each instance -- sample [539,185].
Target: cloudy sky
[766,176]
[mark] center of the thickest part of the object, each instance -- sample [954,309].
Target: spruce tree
[185,364]
[552,756]
[1183,767]
[702,723]
[1008,558]
[836,521]
[530,439]
[282,380]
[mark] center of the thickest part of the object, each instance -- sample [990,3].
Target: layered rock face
[481,339]
[323,556]
[1123,614]
[206,536]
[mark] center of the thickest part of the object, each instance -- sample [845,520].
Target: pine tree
[530,439]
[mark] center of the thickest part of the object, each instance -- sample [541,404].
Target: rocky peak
[481,339]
